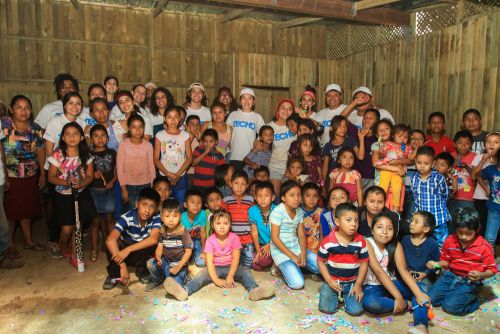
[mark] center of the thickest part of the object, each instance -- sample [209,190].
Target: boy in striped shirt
[237,205]
[343,262]
[206,158]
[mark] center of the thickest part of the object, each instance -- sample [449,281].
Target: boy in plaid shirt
[430,192]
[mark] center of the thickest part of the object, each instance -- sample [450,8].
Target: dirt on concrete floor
[50,296]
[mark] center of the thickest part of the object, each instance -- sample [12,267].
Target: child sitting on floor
[222,251]
[419,248]
[194,220]
[258,216]
[174,248]
[343,262]
[469,259]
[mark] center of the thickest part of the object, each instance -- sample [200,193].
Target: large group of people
[387,216]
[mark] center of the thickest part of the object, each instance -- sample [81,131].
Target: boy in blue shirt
[492,175]
[133,240]
[419,248]
[258,217]
[430,192]
[194,220]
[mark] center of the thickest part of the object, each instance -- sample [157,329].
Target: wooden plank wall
[39,39]
[450,70]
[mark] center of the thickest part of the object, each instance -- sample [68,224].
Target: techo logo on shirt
[283,136]
[327,123]
[243,124]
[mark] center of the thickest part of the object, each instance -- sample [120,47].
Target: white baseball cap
[247,91]
[333,87]
[196,84]
[362,89]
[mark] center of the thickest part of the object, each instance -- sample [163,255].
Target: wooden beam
[296,22]
[332,9]
[365,4]
[234,14]
[75,4]
[160,6]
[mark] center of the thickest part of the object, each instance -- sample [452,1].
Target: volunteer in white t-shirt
[246,124]
[125,103]
[333,99]
[361,101]
[95,90]
[197,101]
[283,137]
[64,83]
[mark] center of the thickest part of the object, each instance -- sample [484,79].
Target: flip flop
[13,254]
[35,247]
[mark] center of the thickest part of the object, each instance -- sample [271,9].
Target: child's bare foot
[175,289]
[261,292]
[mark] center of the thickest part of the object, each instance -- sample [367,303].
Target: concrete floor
[49,296]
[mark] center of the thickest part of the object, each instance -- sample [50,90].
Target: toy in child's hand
[430,312]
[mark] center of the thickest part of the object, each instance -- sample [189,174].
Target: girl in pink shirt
[134,163]
[222,250]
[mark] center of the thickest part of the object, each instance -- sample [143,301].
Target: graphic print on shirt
[172,153]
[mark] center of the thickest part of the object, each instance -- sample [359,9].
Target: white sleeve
[229,120]
[148,128]
[43,117]
[51,133]
[115,114]
[259,123]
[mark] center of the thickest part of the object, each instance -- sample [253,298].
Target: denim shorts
[104,200]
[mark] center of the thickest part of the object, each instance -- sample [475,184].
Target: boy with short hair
[206,158]
[162,185]
[443,163]
[430,192]
[463,167]
[258,216]
[347,249]
[213,202]
[469,259]
[419,248]
[436,139]
[237,205]
[194,220]
[174,248]
[192,127]
[133,240]
[262,173]
[492,175]
[471,121]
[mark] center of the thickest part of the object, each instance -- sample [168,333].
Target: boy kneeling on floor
[133,240]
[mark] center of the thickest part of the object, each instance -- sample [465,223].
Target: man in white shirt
[333,97]
[64,83]
[361,101]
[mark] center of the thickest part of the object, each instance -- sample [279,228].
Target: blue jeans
[246,257]
[329,299]
[456,294]
[492,227]
[197,251]
[378,300]
[440,233]
[4,227]
[243,275]
[179,190]
[159,273]
[292,273]
[133,196]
